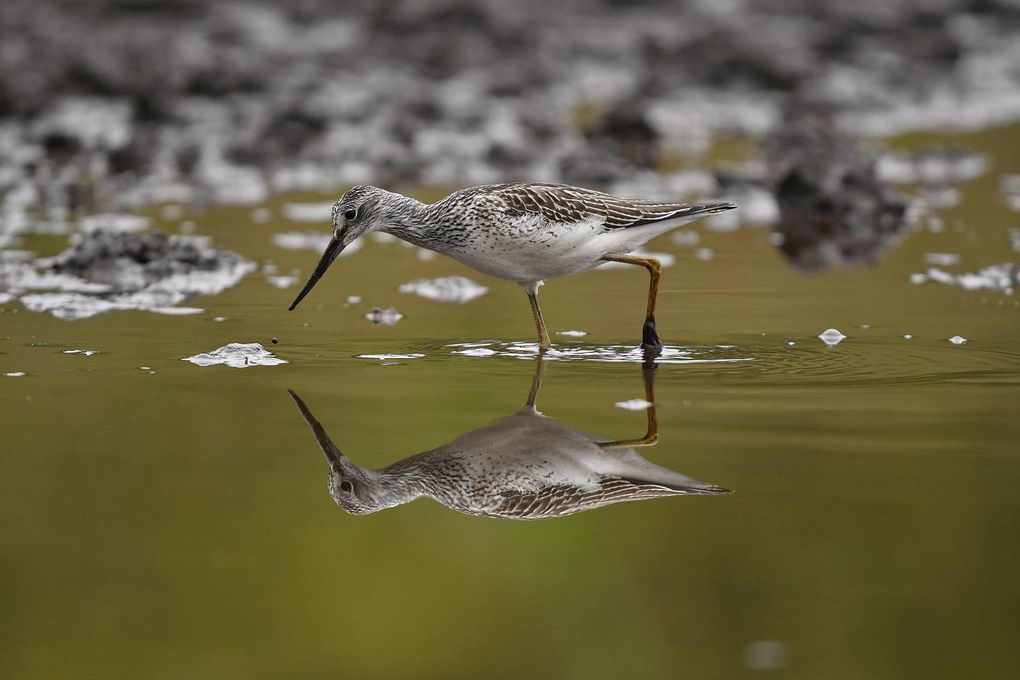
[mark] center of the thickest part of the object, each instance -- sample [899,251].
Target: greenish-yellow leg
[649,337]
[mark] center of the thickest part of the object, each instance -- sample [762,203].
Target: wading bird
[523,466]
[528,233]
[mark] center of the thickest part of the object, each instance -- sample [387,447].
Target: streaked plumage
[523,232]
[567,204]
[523,466]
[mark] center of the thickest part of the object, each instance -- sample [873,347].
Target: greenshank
[523,232]
[523,466]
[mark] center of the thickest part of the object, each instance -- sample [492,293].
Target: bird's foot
[649,338]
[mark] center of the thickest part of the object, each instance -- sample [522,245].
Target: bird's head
[350,488]
[360,210]
[350,485]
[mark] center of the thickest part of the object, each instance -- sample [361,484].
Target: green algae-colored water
[174,521]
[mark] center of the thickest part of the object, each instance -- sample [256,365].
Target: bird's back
[565,204]
[526,466]
[538,231]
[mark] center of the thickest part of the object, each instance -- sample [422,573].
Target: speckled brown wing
[567,205]
[557,501]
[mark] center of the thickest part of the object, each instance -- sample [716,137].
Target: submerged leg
[649,338]
[543,334]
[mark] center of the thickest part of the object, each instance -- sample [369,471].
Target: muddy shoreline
[109,105]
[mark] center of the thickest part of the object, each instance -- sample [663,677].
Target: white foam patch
[307,212]
[1000,277]
[237,355]
[281,281]
[942,259]
[311,240]
[176,311]
[687,238]
[572,334]
[459,289]
[233,184]
[634,404]
[931,167]
[1009,185]
[756,206]
[1014,239]
[475,352]
[958,340]
[600,354]
[114,222]
[831,337]
[987,101]
[12,254]
[766,655]
[172,212]
[97,122]
[388,357]
[301,240]
[160,297]
[384,317]
[21,276]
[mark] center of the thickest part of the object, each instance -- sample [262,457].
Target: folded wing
[560,500]
[566,204]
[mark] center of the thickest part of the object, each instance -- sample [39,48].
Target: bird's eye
[350,214]
[346,486]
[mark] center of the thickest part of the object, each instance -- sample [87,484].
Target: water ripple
[886,362]
[622,354]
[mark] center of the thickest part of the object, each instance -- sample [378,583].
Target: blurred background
[121,102]
[166,174]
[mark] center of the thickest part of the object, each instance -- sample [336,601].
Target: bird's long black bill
[331,253]
[333,454]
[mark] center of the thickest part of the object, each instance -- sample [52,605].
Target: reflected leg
[651,437]
[536,385]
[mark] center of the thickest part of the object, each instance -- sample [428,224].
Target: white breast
[530,248]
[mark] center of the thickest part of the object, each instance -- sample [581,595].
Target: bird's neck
[397,484]
[408,219]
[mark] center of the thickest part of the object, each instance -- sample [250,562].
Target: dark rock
[134,157]
[288,132]
[833,208]
[60,147]
[624,131]
[128,261]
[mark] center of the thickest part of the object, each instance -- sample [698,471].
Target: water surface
[164,519]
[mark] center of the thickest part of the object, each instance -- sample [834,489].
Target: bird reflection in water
[523,466]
